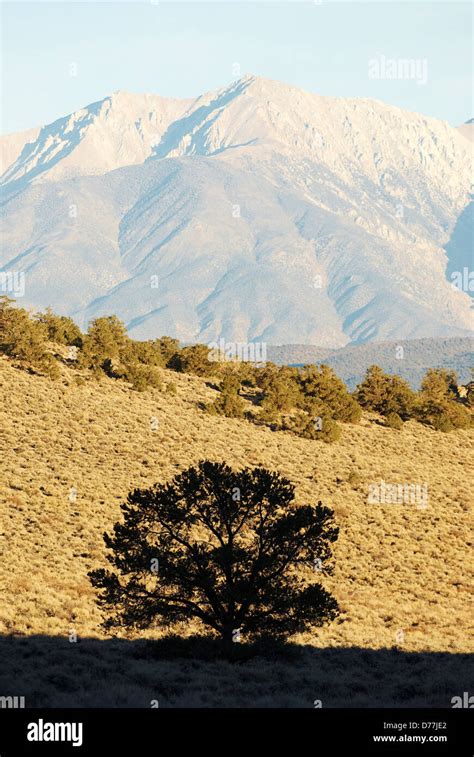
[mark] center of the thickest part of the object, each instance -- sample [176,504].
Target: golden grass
[398,568]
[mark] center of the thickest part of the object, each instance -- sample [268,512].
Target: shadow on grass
[206,648]
[192,672]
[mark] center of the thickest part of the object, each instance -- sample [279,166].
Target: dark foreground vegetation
[225,548]
[176,672]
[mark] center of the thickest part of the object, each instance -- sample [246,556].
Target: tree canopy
[223,547]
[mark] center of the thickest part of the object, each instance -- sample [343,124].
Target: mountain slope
[467,129]
[119,130]
[411,362]
[12,146]
[402,574]
[258,212]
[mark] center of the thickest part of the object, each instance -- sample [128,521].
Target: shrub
[324,386]
[60,329]
[393,420]
[103,344]
[350,412]
[444,415]
[437,403]
[265,374]
[372,391]
[269,415]
[330,431]
[386,394]
[247,373]
[470,394]
[321,428]
[229,403]
[280,396]
[194,359]
[145,353]
[354,479]
[221,547]
[279,391]
[438,385]
[24,338]
[168,347]
[142,377]
[443,422]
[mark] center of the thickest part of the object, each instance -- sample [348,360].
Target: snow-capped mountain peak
[119,130]
[265,212]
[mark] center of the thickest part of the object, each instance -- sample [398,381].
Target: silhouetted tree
[227,548]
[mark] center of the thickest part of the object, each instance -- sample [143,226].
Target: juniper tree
[103,344]
[168,347]
[281,392]
[229,402]
[321,384]
[439,384]
[318,425]
[193,359]
[24,338]
[386,394]
[229,549]
[60,328]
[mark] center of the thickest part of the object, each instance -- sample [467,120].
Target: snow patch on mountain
[264,213]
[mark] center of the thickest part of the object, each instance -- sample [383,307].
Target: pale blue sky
[181,49]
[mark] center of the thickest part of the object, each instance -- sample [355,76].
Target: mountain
[411,362]
[120,130]
[259,212]
[12,146]
[467,129]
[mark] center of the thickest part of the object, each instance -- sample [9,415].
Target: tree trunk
[228,643]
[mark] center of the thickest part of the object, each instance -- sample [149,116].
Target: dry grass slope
[398,568]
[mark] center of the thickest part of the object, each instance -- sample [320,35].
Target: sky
[60,56]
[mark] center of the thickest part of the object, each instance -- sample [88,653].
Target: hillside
[257,212]
[402,574]
[351,362]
